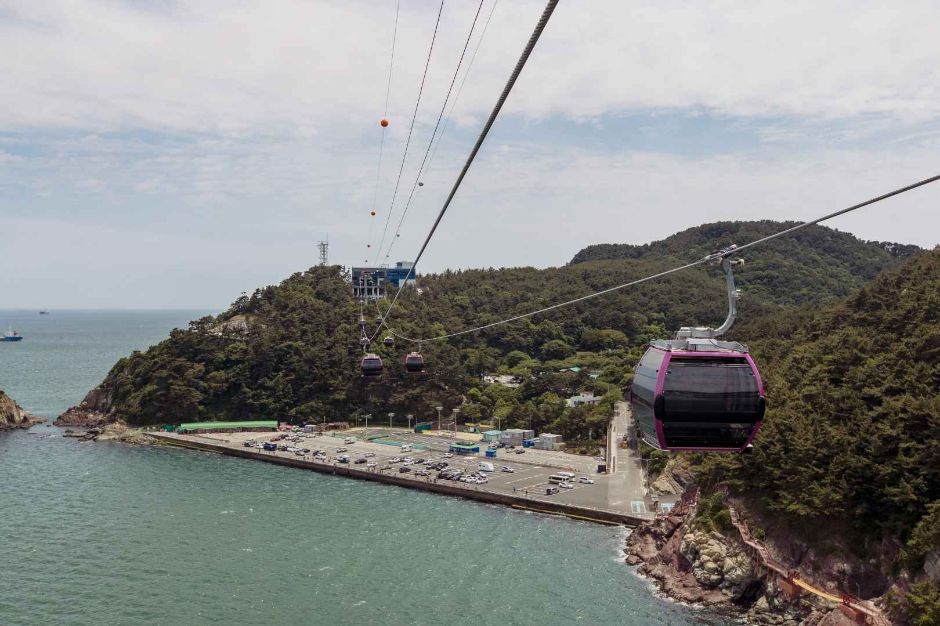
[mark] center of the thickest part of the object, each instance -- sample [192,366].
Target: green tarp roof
[227,425]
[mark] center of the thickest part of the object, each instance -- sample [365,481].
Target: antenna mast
[324,247]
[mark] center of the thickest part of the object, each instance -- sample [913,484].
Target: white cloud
[174,154]
[237,67]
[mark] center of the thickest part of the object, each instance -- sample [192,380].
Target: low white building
[512,436]
[586,397]
[548,441]
[506,380]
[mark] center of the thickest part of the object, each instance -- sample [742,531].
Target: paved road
[627,484]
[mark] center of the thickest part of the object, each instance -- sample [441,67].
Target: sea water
[106,533]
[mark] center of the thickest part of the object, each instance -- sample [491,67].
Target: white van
[567,475]
[349,440]
[558,479]
[406,447]
[485,466]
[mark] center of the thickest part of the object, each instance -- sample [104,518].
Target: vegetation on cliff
[290,351]
[851,444]
[821,263]
[851,437]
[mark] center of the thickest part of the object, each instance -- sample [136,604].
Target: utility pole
[368,415]
[410,416]
[390,416]
[439,409]
[454,415]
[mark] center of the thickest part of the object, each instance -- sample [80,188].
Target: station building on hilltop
[373,283]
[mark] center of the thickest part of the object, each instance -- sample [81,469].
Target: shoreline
[579,513]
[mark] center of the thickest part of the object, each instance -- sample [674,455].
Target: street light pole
[409,420]
[368,415]
[439,409]
[390,416]
[455,421]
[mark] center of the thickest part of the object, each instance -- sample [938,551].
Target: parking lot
[529,477]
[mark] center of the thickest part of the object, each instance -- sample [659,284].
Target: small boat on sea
[11,335]
[44,312]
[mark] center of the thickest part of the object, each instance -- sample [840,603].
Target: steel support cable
[539,27]
[388,91]
[437,125]
[463,82]
[705,259]
[411,128]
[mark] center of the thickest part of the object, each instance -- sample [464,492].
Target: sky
[172,154]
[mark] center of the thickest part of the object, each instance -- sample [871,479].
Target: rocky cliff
[697,565]
[13,416]
[92,412]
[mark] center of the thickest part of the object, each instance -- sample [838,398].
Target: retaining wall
[448,488]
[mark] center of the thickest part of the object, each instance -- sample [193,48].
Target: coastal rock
[716,563]
[12,415]
[675,479]
[92,412]
[932,566]
[119,431]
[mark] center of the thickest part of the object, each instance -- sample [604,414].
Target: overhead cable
[425,160]
[388,91]
[411,128]
[703,260]
[533,39]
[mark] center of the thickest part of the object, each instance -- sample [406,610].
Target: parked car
[566,485]
[372,465]
[360,461]
[585,480]
[271,447]
[422,472]
[338,450]
[519,450]
[343,458]
[369,455]
[404,469]
[507,469]
[448,455]
[550,491]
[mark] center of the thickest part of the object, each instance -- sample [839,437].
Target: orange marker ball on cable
[384,123]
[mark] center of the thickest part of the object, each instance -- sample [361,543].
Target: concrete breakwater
[595,515]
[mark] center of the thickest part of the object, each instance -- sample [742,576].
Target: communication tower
[324,247]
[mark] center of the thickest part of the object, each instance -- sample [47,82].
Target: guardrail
[873,615]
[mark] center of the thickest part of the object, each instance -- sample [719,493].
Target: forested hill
[850,450]
[815,262]
[290,351]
